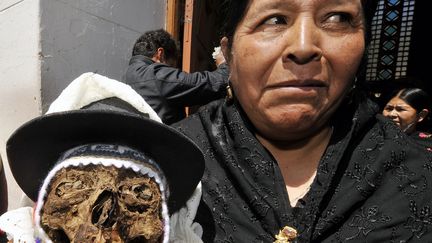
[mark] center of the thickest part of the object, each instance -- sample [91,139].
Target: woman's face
[293,61]
[404,115]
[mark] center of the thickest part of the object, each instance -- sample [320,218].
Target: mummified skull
[94,203]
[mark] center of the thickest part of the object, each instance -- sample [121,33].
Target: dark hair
[415,97]
[236,9]
[148,43]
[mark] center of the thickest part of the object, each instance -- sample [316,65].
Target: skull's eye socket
[105,210]
[142,192]
[136,197]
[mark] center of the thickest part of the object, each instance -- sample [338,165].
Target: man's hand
[218,56]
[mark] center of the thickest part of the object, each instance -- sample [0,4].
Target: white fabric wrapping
[183,227]
[91,87]
[18,224]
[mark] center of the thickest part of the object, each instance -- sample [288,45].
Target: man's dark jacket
[168,90]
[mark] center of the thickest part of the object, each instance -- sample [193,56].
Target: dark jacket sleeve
[190,89]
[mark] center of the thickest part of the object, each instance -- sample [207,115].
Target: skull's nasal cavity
[104,211]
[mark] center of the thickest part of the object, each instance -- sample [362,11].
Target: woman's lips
[308,83]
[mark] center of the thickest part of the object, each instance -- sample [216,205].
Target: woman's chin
[304,116]
[288,127]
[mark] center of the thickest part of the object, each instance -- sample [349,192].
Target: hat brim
[35,147]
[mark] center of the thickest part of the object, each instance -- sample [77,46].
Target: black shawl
[372,185]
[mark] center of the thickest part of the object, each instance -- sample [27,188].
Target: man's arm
[189,89]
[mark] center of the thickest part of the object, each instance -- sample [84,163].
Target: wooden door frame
[173,25]
[173,18]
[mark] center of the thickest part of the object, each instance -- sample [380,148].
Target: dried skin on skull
[95,203]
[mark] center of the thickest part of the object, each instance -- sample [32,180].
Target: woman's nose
[393,113]
[303,42]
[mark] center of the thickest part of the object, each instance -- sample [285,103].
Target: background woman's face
[401,113]
[293,62]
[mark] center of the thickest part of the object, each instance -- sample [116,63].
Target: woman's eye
[341,21]
[276,20]
[339,18]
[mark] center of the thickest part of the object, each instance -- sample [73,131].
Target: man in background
[153,74]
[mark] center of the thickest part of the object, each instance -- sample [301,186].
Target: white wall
[19,72]
[45,44]
[91,35]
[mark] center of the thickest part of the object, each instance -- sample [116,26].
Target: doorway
[196,25]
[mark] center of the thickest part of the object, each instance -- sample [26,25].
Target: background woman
[408,109]
[296,153]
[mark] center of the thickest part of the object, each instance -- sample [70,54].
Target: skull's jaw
[99,203]
[91,234]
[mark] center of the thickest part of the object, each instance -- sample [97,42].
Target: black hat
[35,147]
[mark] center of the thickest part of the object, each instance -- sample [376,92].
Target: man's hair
[148,43]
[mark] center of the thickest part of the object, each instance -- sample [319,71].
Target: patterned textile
[373,184]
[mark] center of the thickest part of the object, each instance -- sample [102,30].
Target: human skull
[96,203]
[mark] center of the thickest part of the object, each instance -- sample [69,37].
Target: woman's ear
[226,51]
[225,48]
[422,115]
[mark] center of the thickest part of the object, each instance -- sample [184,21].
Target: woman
[295,150]
[408,109]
